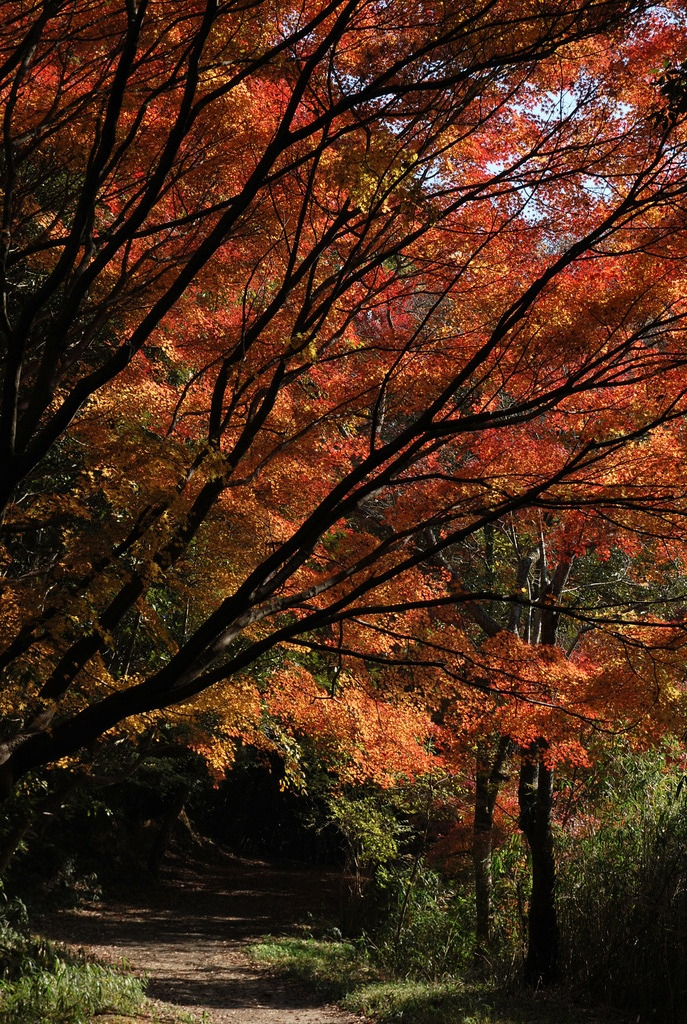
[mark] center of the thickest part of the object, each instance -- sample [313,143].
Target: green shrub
[20,952]
[371,834]
[623,895]
[68,994]
[43,984]
[512,875]
[427,929]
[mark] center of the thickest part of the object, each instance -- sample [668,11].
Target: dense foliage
[41,982]
[342,414]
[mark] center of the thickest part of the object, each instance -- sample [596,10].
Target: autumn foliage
[344,375]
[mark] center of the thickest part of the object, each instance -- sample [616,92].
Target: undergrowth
[623,894]
[68,994]
[41,983]
[343,972]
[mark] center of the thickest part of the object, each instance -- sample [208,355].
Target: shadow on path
[188,933]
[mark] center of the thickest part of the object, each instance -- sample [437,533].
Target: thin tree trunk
[482,862]
[416,866]
[535,795]
[164,833]
[488,778]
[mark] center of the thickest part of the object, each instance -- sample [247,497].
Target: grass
[68,993]
[44,983]
[332,969]
[341,972]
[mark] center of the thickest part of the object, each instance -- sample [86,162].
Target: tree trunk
[488,778]
[535,795]
[482,861]
[164,833]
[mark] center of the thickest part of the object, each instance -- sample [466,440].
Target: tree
[288,296]
[575,632]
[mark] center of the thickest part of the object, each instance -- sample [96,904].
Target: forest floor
[189,933]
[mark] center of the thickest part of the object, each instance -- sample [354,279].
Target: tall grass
[42,984]
[68,994]
[623,895]
[426,929]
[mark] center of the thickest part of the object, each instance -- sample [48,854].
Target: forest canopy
[299,306]
[344,373]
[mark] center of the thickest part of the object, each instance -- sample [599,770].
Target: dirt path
[189,932]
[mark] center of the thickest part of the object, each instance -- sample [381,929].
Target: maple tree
[572,621]
[298,300]
[575,630]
